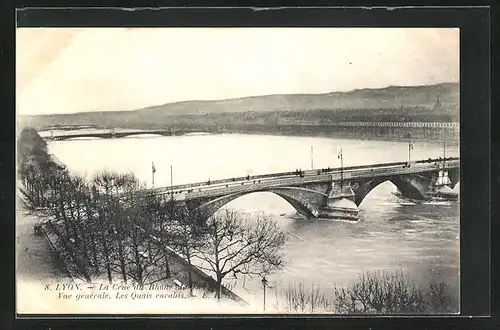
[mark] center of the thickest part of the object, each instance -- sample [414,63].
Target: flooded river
[420,238]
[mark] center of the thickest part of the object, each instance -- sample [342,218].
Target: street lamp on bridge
[341,157]
[312,158]
[171,193]
[171,183]
[153,171]
[444,150]
[410,148]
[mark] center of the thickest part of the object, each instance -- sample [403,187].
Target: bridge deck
[262,182]
[106,133]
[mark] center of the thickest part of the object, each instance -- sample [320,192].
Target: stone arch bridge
[316,193]
[114,133]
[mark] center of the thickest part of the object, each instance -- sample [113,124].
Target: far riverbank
[327,134]
[389,134]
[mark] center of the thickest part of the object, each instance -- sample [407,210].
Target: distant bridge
[314,193]
[113,133]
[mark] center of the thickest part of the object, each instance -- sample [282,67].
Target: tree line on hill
[112,227]
[145,119]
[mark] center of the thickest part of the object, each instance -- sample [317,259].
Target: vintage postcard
[238,170]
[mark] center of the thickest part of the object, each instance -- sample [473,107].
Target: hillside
[385,104]
[389,97]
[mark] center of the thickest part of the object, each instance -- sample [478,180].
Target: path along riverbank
[34,261]
[36,264]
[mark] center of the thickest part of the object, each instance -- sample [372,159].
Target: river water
[421,239]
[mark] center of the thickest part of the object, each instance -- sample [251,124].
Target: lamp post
[171,183]
[341,157]
[312,158]
[264,284]
[444,151]
[153,171]
[410,148]
[171,193]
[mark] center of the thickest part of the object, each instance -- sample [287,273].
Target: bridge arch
[410,186]
[302,204]
[454,175]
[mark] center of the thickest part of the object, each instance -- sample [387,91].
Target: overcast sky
[75,70]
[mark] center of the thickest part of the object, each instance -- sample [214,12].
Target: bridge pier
[442,184]
[340,203]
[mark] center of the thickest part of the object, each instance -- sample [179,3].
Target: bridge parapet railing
[279,182]
[258,186]
[413,169]
[273,176]
[214,183]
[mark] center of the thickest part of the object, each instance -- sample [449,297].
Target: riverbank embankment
[37,257]
[34,260]
[53,249]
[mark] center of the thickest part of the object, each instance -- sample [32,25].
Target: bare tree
[67,222]
[34,167]
[96,225]
[187,237]
[145,256]
[144,259]
[440,300]
[120,185]
[380,293]
[299,298]
[126,214]
[112,188]
[162,227]
[102,196]
[236,244]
